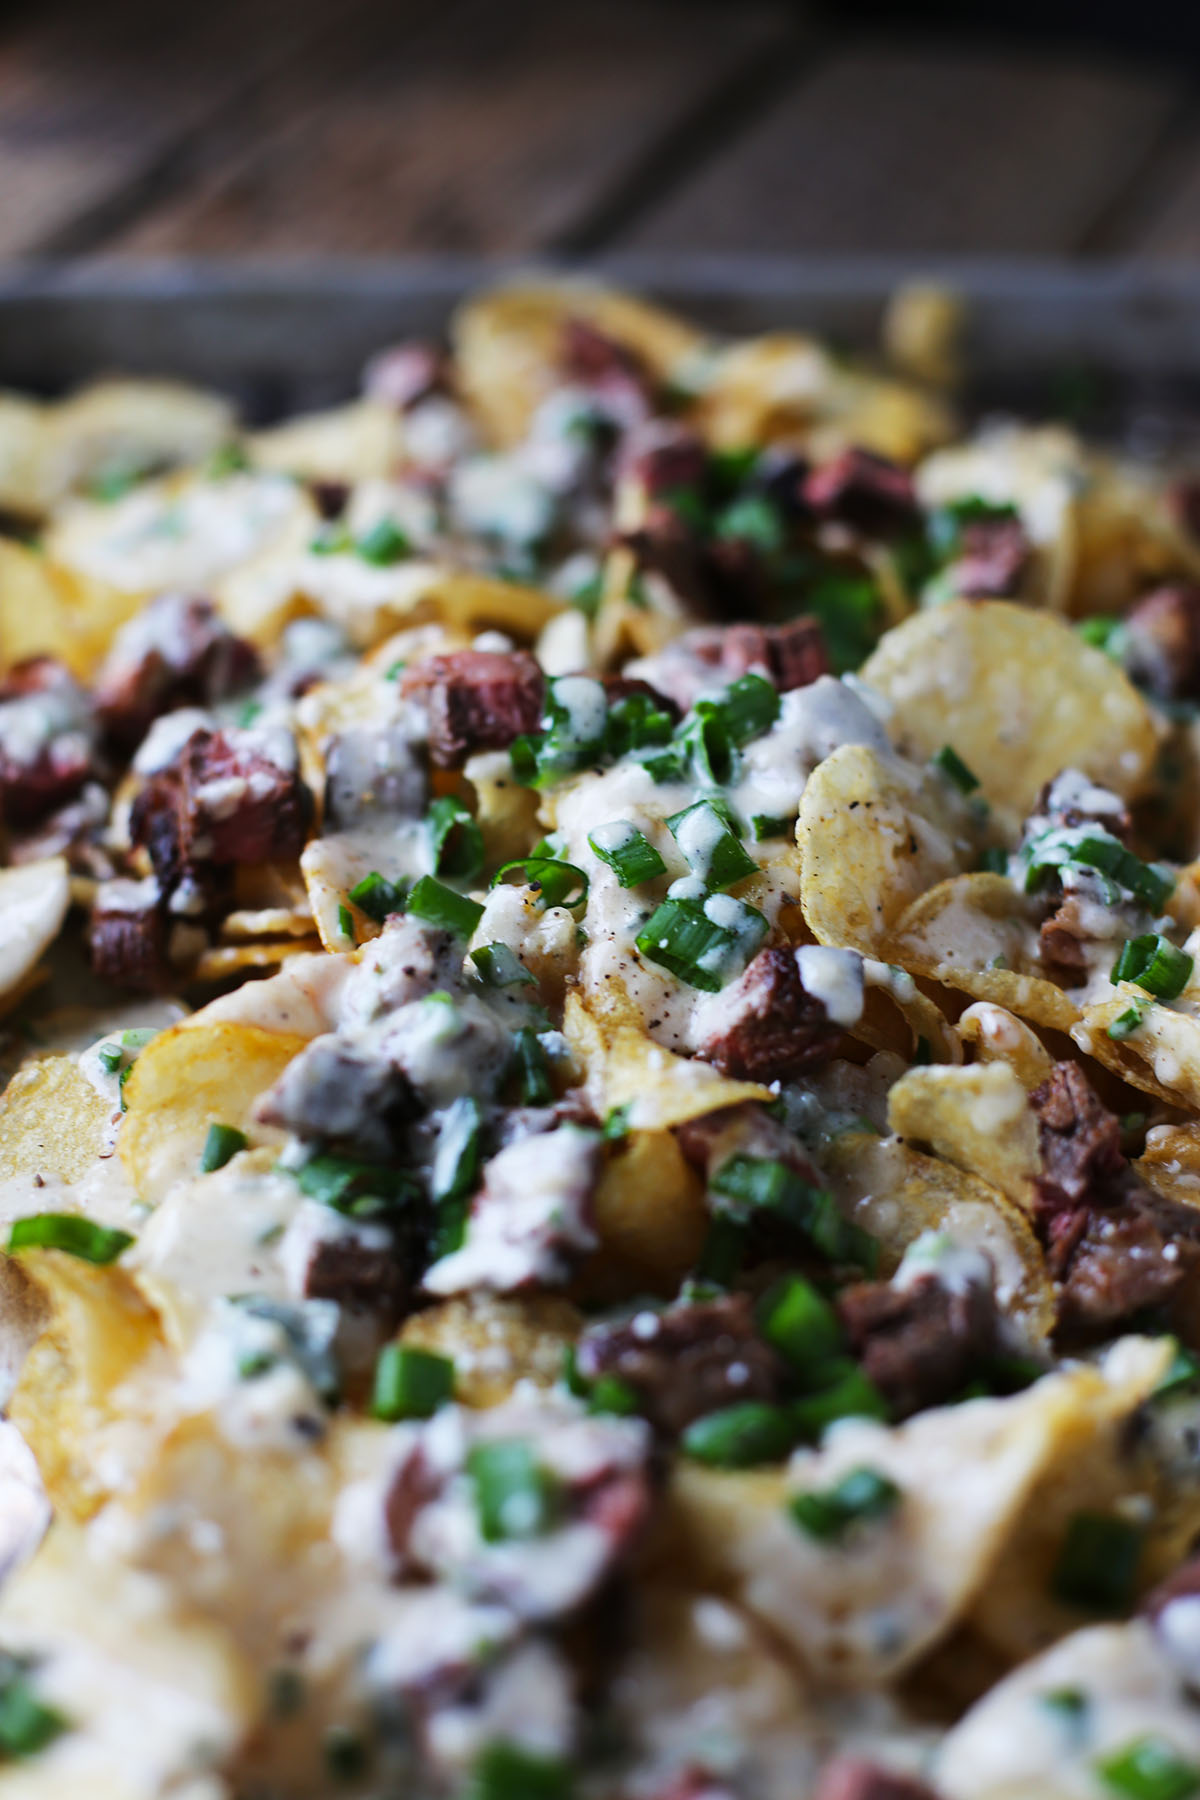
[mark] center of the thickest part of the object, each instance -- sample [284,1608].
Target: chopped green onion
[70,1232]
[378,897]
[627,851]
[499,966]
[704,944]
[1149,1768]
[1105,631]
[709,847]
[1126,1023]
[616,1123]
[26,1724]
[331,540]
[456,1159]
[531,1069]
[861,1496]
[507,1772]
[439,905]
[768,825]
[138,1037]
[609,1394]
[346,923]
[1181,1377]
[756,1183]
[741,1436]
[384,544]
[723,1251]
[574,736]
[955,769]
[1098,1563]
[514,1496]
[410,1383]
[749,706]
[753,519]
[1154,963]
[1072,1702]
[635,723]
[851,1394]
[222,1143]
[110,1058]
[993,860]
[561,883]
[800,1323]
[455,839]
[1150,883]
[227,459]
[355,1188]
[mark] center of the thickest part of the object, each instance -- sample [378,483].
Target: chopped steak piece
[1080,1140]
[853,1778]
[1131,1259]
[362,1276]
[476,700]
[74,832]
[1071,799]
[1061,941]
[993,557]
[770,1028]
[791,655]
[686,1361]
[128,935]
[862,490]
[669,545]
[229,797]
[342,1098]
[176,652]
[1162,642]
[921,1343]
[406,374]
[590,356]
[46,740]
[663,458]
[744,1130]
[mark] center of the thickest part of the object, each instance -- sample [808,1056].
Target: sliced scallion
[861,1496]
[1154,963]
[222,1143]
[440,906]
[70,1232]
[378,897]
[741,1436]
[410,1383]
[627,851]
[455,839]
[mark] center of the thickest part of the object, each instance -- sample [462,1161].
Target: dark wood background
[288,127]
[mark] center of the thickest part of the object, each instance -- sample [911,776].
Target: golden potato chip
[193,1076]
[626,1069]
[510,344]
[1170,1162]
[221,961]
[248,925]
[497,1340]
[896,1193]
[997,1035]
[72,1402]
[1160,1055]
[978,1118]
[34,898]
[979,934]
[1017,695]
[345,444]
[52,1121]
[649,1214]
[872,836]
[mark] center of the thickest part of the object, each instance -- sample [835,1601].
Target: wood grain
[886,148]
[495,129]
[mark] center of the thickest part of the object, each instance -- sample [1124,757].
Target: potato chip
[896,1193]
[625,1068]
[496,1341]
[978,1118]
[509,345]
[193,1076]
[1017,696]
[649,1214]
[33,904]
[978,934]
[1170,1162]
[1161,1055]
[872,835]
[71,1403]
[345,444]
[221,961]
[52,1121]
[965,1476]
[997,1035]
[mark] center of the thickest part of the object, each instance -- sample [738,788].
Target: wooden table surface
[285,127]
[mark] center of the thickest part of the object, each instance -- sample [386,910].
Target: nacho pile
[600,966]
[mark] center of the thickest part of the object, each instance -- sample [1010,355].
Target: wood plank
[96,100]
[498,130]
[886,148]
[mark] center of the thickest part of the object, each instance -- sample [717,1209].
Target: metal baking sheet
[1122,340]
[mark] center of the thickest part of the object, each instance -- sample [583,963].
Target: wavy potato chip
[72,1402]
[862,1610]
[872,835]
[48,611]
[978,1118]
[345,443]
[997,1035]
[34,898]
[496,1341]
[1161,1056]
[649,1214]
[1017,696]
[220,961]
[509,345]
[625,1068]
[978,934]
[196,1075]
[897,1193]
[52,1121]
